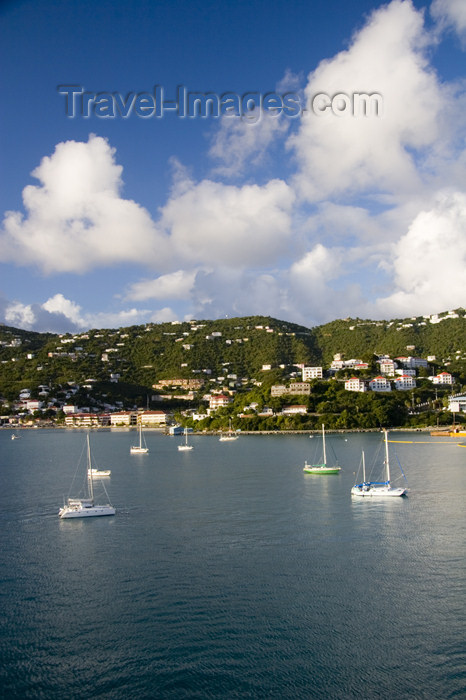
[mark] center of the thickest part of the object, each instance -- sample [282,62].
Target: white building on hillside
[355,384]
[294,410]
[312,373]
[218,401]
[405,382]
[387,368]
[444,378]
[380,384]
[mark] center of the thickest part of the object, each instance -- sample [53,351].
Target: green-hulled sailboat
[323,467]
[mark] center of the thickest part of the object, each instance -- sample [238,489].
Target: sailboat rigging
[139,449]
[230,435]
[85,507]
[379,489]
[185,447]
[322,467]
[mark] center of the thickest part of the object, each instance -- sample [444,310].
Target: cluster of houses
[399,373]
[392,374]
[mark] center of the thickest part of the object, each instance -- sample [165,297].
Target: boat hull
[85,512]
[184,448]
[322,470]
[139,450]
[374,492]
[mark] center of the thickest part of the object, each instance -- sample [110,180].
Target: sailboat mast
[323,439]
[386,457]
[363,468]
[89,470]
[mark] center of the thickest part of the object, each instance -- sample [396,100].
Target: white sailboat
[378,489]
[139,449]
[85,507]
[322,467]
[229,436]
[185,447]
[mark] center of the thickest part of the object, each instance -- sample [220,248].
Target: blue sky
[110,221]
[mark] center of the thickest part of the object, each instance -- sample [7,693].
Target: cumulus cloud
[175,285]
[429,261]
[366,226]
[212,223]
[58,304]
[36,317]
[61,315]
[76,219]
[354,154]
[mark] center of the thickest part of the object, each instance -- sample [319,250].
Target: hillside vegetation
[124,364]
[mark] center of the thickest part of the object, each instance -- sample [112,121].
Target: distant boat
[185,447]
[85,507]
[15,437]
[322,467]
[230,435]
[378,489]
[140,449]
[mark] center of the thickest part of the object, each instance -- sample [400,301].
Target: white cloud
[125,317]
[451,13]
[351,154]
[239,144]
[234,292]
[19,315]
[58,304]
[214,224]
[76,219]
[175,285]
[59,314]
[429,261]
[309,250]
[164,315]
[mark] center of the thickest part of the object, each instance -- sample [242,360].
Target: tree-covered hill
[141,356]
[412,336]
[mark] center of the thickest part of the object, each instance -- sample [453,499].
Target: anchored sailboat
[185,447]
[230,435]
[85,507]
[322,467]
[139,449]
[379,489]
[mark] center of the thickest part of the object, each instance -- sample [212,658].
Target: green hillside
[122,365]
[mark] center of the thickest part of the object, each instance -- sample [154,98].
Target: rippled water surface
[228,573]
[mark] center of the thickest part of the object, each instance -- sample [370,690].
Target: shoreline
[447,432]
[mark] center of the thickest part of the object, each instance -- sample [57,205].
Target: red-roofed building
[380,384]
[355,384]
[219,401]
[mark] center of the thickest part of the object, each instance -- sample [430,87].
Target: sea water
[229,573]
